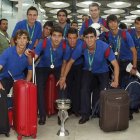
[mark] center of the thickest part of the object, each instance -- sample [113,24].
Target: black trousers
[74,86]
[90,83]
[42,74]
[124,77]
[138,65]
[7,84]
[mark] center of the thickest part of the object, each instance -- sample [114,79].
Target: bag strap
[107,52]
[86,23]
[64,44]
[44,43]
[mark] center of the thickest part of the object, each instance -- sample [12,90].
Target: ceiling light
[54,11]
[105,16]
[57,4]
[80,23]
[138,6]
[114,11]
[119,4]
[131,17]
[135,12]
[83,11]
[79,20]
[14,0]
[23,4]
[127,21]
[85,4]
[55,16]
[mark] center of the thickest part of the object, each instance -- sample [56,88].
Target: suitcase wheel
[7,134]
[19,137]
[34,136]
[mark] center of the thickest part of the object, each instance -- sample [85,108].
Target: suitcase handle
[34,74]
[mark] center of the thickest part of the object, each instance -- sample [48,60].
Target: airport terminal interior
[125,10]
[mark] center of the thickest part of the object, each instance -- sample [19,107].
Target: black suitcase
[4,121]
[114,110]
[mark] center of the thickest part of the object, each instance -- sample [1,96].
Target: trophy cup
[63,105]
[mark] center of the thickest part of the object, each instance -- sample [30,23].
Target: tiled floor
[87,131]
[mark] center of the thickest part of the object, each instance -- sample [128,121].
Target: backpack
[133,89]
[123,34]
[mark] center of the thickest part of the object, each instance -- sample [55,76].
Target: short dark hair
[64,11]
[74,22]
[57,28]
[94,4]
[32,8]
[2,20]
[111,18]
[20,33]
[137,19]
[90,30]
[72,31]
[122,25]
[48,23]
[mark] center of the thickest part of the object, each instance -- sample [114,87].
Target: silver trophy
[63,105]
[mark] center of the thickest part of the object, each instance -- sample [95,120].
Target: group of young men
[79,61]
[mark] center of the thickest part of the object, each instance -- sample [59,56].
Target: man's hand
[114,84]
[30,53]
[133,71]
[104,29]
[61,83]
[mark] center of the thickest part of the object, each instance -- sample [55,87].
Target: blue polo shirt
[136,41]
[35,30]
[58,55]
[14,63]
[99,64]
[90,21]
[123,45]
[76,53]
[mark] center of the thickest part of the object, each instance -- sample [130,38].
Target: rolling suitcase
[51,95]
[114,110]
[4,122]
[25,108]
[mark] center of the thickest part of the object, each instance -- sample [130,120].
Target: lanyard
[91,58]
[51,56]
[32,33]
[65,31]
[5,37]
[118,45]
[137,42]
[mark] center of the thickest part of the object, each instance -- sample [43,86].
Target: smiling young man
[54,59]
[135,34]
[94,11]
[62,21]
[13,62]
[47,27]
[123,48]
[32,26]
[73,71]
[95,70]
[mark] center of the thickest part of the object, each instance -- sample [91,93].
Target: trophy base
[63,133]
